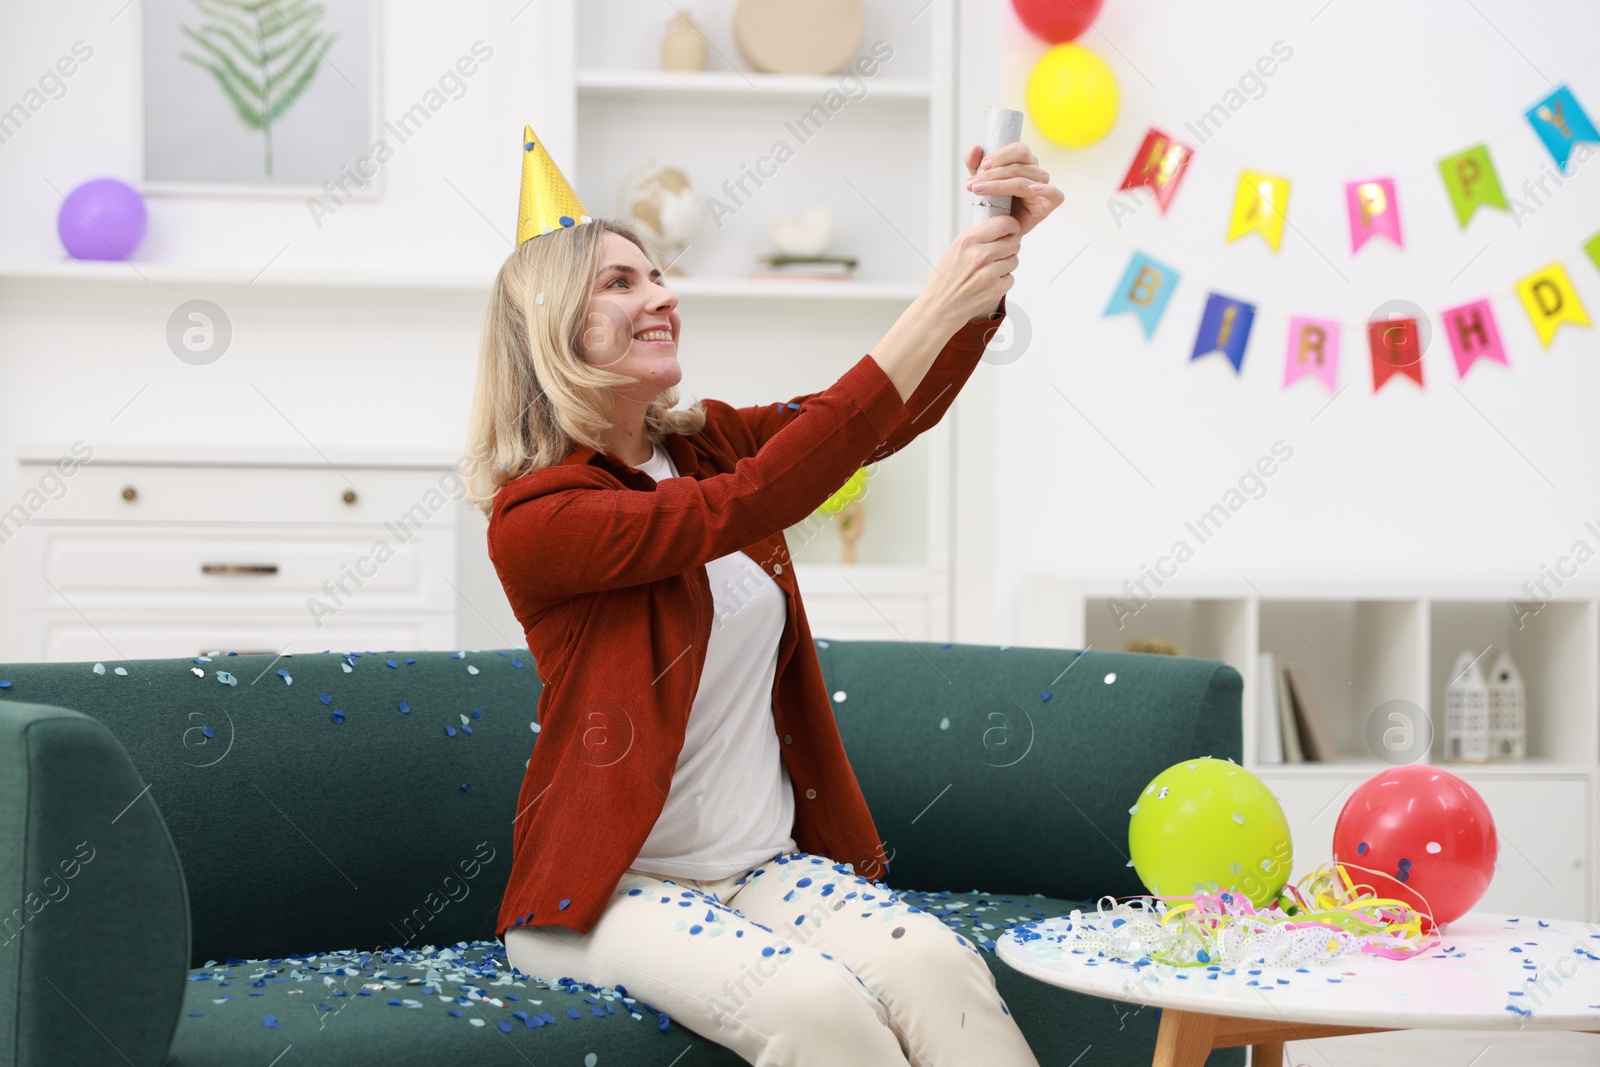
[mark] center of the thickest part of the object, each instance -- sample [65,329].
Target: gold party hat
[548,202]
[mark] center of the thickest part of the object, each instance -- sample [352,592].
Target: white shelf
[1469,771]
[468,281]
[762,145]
[74,270]
[180,454]
[1367,642]
[798,289]
[701,86]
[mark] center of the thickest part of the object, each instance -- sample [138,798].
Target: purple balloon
[102,219]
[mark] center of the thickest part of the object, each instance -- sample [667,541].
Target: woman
[689,828]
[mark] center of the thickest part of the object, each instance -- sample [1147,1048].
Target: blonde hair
[535,396]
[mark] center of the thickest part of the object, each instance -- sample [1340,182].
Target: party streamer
[1322,918]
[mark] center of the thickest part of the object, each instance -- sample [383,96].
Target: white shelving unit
[749,341]
[1365,645]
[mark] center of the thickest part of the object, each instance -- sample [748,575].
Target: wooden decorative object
[850,520]
[684,46]
[783,37]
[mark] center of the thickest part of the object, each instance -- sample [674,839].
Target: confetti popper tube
[1001,126]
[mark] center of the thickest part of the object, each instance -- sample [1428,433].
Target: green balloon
[1209,825]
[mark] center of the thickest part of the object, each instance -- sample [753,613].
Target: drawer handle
[349,496]
[129,493]
[238,568]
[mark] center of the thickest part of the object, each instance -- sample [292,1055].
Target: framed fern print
[259,97]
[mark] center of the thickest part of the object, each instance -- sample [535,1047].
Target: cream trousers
[799,962]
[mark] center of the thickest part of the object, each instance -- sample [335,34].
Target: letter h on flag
[1158,165]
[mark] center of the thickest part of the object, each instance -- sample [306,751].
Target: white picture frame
[190,138]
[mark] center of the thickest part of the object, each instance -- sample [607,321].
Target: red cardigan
[605,569]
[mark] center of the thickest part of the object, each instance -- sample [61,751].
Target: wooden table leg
[1184,1039]
[1267,1054]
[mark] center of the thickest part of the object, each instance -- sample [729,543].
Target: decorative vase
[683,46]
[850,522]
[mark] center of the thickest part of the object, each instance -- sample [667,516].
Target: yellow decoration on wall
[1261,203]
[1550,300]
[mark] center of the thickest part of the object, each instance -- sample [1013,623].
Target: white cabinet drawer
[120,492]
[867,602]
[850,618]
[92,568]
[66,638]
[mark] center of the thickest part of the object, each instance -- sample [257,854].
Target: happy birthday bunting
[1158,166]
[1396,349]
[1592,246]
[1550,300]
[1561,123]
[1374,211]
[1260,204]
[1224,326]
[1313,351]
[1472,182]
[1473,335]
[1144,290]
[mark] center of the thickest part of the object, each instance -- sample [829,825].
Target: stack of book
[819,268]
[1290,726]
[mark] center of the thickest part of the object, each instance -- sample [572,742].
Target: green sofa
[298,861]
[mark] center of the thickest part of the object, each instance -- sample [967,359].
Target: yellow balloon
[1072,96]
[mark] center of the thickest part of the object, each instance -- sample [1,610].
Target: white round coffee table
[1489,972]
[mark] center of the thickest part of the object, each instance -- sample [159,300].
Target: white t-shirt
[731,803]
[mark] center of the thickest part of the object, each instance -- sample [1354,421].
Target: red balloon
[1057,21]
[1428,834]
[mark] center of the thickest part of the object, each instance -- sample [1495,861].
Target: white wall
[1487,480]
[309,369]
[1415,482]
[471,141]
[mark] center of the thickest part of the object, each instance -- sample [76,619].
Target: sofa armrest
[94,917]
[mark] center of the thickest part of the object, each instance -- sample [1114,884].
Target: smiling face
[632,324]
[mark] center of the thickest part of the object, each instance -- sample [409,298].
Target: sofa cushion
[466,1005]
